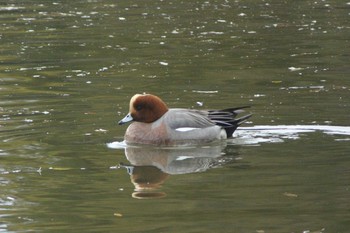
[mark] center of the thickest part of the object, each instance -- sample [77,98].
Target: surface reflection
[151,166]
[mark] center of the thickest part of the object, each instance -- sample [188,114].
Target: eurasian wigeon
[154,123]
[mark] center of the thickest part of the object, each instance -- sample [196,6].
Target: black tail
[226,118]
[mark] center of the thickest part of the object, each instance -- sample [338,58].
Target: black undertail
[226,118]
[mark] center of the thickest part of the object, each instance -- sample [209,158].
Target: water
[69,68]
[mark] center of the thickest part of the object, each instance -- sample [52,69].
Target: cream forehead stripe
[132,100]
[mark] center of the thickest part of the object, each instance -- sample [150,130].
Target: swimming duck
[156,124]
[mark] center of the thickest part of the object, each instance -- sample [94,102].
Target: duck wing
[187,118]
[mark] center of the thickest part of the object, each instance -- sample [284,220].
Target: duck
[154,123]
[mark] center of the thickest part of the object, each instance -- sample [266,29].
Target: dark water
[69,68]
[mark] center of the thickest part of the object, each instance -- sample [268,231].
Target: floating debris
[205,92]
[287,194]
[118,214]
[60,168]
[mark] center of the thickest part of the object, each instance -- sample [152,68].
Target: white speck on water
[11,8]
[316,87]
[342,139]
[101,130]
[10,198]
[199,103]
[292,68]
[259,95]
[103,69]
[163,63]
[212,32]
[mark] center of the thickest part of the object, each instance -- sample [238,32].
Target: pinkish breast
[146,133]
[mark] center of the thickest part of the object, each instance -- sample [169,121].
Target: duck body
[155,124]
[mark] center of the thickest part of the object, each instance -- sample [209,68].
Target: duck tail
[226,118]
[237,122]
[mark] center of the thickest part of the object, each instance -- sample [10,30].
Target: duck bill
[126,119]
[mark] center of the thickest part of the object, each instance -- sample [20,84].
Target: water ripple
[278,133]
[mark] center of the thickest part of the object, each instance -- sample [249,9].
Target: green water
[69,68]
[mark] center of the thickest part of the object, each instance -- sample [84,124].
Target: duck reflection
[151,166]
[147,181]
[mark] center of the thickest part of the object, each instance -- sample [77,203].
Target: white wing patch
[182,157]
[185,129]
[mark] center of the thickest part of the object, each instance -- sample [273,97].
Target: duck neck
[159,109]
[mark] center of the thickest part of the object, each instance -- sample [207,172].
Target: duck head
[145,108]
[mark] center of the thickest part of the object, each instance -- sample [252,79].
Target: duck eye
[138,107]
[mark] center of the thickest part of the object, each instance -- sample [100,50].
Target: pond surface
[69,68]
